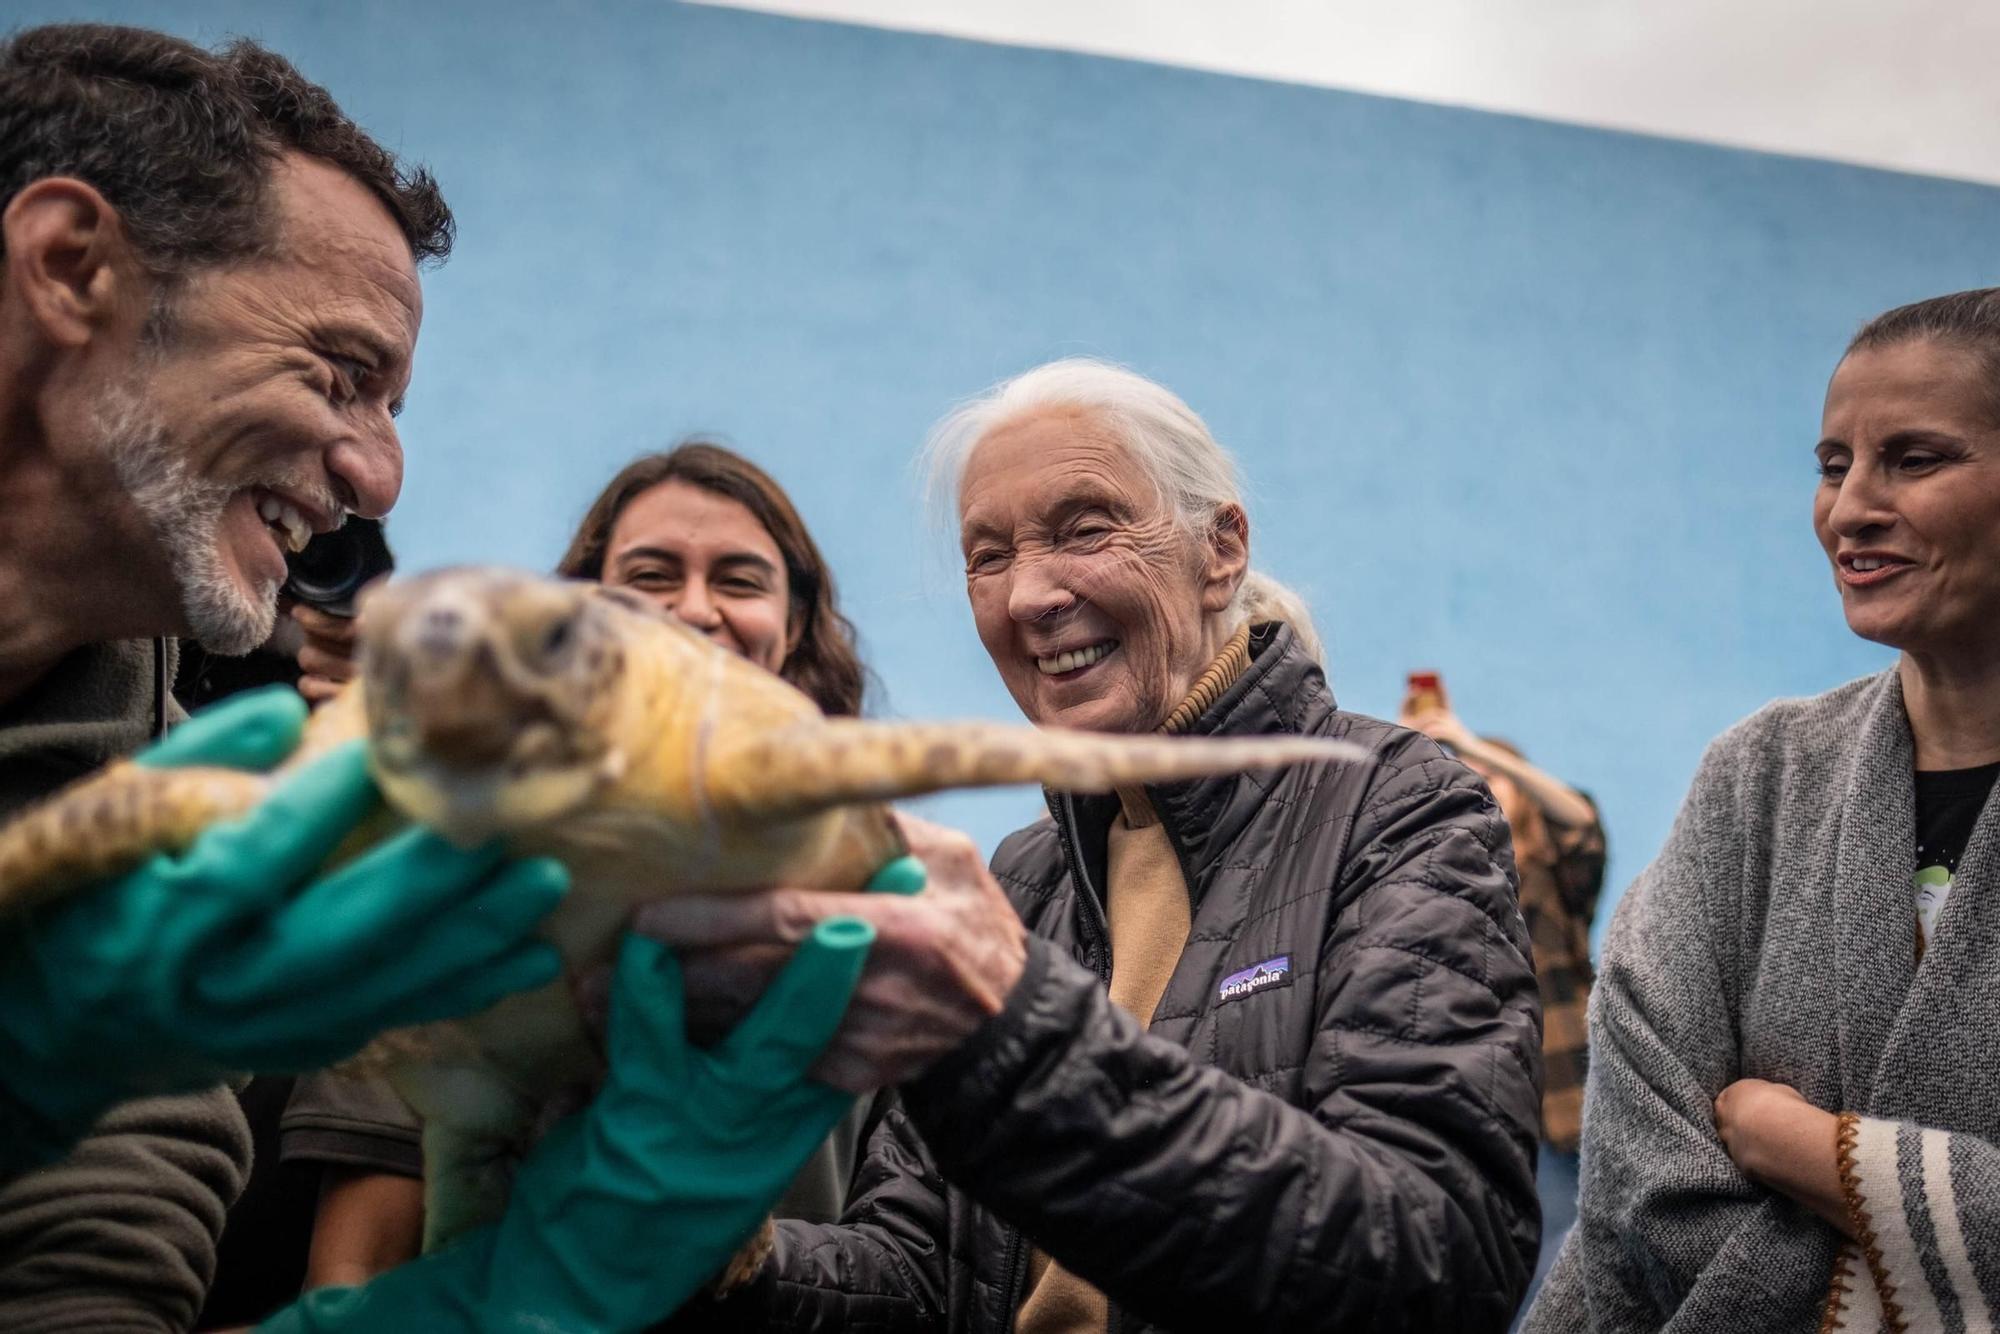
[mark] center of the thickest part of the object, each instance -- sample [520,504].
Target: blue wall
[1528,403]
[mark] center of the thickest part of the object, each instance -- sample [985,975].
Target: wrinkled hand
[1778,1139]
[328,656]
[943,962]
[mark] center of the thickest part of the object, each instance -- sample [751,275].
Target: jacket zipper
[1017,1275]
[1017,1242]
[1094,910]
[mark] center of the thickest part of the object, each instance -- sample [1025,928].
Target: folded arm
[1672,1234]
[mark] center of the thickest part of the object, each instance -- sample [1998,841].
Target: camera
[335,566]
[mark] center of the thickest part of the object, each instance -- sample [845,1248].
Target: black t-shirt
[1948,805]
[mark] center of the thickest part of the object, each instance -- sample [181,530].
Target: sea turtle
[581,722]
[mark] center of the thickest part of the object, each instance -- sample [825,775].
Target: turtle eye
[557,639]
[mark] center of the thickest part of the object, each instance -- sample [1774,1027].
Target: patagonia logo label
[1265,976]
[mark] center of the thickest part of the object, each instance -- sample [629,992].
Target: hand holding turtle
[943,963]
[237,955]
[630,1206]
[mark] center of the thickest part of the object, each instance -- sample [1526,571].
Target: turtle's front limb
[110,822]
[745,1264]
[486,1087]
[790,773]
[477,1127]
[468,1175]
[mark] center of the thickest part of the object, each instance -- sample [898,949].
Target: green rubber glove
[629,1207]
[905,875]
[255,730]
[237,956]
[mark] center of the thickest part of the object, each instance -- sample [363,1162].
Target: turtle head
[489,695]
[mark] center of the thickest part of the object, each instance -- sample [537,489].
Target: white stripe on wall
[1908,85]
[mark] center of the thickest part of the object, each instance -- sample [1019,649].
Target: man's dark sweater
[120,1236]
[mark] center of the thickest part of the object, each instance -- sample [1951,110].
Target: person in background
[1559,856]
[261,1258]
[1249,1051]
[714,540]
[1795,1067]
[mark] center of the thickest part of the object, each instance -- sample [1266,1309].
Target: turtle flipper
[467,1178]
[798,771]
[110,822]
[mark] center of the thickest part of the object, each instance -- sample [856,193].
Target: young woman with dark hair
[715,541]
[712,538]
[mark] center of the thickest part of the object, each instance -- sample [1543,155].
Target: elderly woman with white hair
[1266,1052]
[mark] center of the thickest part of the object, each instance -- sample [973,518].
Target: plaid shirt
[1562,872]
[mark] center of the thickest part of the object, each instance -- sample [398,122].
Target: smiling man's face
[1097,609]
[265,412]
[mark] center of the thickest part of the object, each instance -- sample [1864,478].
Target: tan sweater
[1147,911]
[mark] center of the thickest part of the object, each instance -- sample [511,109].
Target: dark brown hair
[181,141]
[824,663]
[1968,320]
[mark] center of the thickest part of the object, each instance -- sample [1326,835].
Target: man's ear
[1228,558]
[68,261]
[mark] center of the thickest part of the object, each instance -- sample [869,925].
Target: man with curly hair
[208,305]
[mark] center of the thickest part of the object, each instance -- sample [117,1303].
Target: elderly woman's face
[1908,507]
[1098,612]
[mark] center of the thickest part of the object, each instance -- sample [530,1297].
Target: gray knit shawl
[1775,937]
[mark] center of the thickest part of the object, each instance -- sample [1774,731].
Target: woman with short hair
[1793,1117]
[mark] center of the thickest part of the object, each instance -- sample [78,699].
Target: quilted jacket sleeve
[1400,1196]
[880,1270]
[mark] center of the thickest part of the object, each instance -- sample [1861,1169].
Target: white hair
[1195,476]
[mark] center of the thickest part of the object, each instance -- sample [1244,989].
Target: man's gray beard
[185,513]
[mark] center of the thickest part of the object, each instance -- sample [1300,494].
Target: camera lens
[327,569]
[334,566]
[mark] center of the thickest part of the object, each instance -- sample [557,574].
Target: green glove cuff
[778,1041]
[905,875]
[34,1133]
[439,1294]
[48,1107]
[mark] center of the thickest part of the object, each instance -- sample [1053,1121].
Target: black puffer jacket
[1331,1123]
